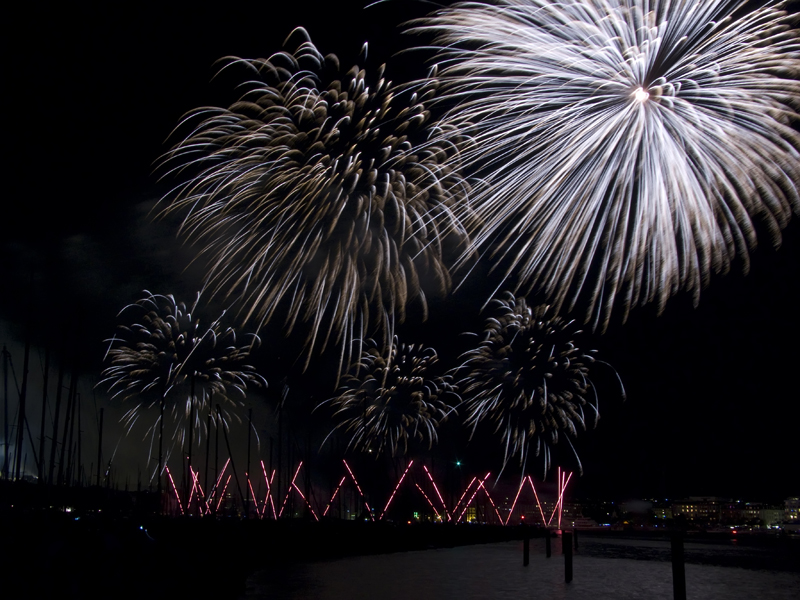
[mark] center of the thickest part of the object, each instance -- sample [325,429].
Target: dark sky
[92,94]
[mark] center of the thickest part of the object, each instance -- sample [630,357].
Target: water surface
[603,568]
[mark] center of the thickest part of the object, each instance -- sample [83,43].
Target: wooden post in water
[678,567]
[526,545]
[566,545]
[547,549]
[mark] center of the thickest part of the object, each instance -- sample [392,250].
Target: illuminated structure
[475,503]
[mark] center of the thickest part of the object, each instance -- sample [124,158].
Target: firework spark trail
[216,484]
[336,491]
[358,487]
[563,480]
[289,491]
[387,401]
[561,500]
[297,489]
[538,503]
[269,492]
[463,494]
[224,489]
[558,496]
[624,147]
[253,496]
[527,377]
[397,487]
[514,503]
[200,496]
[192,490]
[174,488]
[436,489]
[310,197]
[485,491]
[478,487]
[424,495]
[166,354]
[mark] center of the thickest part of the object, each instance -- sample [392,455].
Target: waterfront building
[700,510]
[791,508]
[771,516]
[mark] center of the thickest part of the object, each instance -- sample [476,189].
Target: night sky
[92,94]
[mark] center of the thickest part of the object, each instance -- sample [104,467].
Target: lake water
[603,568]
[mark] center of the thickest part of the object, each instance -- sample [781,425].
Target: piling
[526,545]
[566,545]
[547,550]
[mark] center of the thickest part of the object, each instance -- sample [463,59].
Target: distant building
[732,513]
[791,506]
[661,511]
[752,512]
[604,512]
[471,515]
[771,516]
[700,510]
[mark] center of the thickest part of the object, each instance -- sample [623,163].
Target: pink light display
[358,487]
[175,489]
[385,508]
[436,488]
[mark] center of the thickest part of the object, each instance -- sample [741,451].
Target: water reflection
[496,571]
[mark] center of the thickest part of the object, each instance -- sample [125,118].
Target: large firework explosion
[625,147]
[528,378]
[389,401]
[166,358]
[310,199]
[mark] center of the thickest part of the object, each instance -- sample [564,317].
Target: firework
[310,198]
[625,147]
[528,378]
[388,401]
[167,358]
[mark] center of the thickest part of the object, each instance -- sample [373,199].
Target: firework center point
[640,94]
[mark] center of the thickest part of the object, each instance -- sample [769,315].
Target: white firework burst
[529,378]
[312,200]
[388,401]
[167,359]
[626,148]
